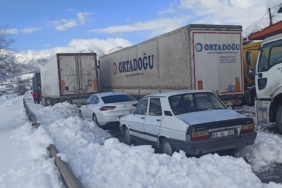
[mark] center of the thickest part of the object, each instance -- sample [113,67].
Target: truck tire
[253,99]
[279,118]
[167,147]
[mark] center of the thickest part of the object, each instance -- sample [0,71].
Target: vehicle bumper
[202,147]
[109,119]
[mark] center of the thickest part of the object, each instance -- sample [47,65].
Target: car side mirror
[249,58]
[251,70]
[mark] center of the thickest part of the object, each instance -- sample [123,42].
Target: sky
[42,26]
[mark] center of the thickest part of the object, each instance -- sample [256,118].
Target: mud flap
[262,109]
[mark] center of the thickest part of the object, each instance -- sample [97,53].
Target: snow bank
[23,164]
[114,164]
[47,115]
[264,153]
[6,102]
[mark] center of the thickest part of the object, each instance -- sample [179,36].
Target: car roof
[171,93]
[104,94]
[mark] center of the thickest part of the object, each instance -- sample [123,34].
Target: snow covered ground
[101,161]
[22,164]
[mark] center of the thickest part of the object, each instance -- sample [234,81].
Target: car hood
[208,116]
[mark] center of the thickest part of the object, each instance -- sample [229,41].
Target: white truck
[268,76]
[69,77]
[202,57]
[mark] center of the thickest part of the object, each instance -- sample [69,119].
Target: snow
[264,153]
[101,161]
[22,163]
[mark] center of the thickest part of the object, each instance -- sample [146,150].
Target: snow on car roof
[171,93]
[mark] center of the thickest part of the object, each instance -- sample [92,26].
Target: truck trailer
[195,56]
[36,83]
[69,77]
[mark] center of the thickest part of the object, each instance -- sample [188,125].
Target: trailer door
[68,74]
[87,73]
[218,62]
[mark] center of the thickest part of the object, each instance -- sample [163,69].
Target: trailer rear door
[77,74]
[217,61]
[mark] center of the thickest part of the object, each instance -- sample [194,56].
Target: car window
[142,108]
[88,101]
[117,98]
[193,102]
[155,108]
[95,100]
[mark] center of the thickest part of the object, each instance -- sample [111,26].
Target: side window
[88,101]
[142,108]
[155,108]
[275,56]
[95,100]
[263,62]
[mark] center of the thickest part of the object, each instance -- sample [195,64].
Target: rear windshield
[194,102]
[117,98]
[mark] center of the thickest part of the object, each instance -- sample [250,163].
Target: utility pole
[270,17]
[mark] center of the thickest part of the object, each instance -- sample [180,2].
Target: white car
[196,122]
[106,108]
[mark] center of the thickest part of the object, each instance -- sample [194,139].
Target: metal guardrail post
[71,180]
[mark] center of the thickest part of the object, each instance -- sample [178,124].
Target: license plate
[222,133]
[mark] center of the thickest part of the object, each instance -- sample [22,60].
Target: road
[274,175]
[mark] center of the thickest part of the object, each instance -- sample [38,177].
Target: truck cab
[268,80]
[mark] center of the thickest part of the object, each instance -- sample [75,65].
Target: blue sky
[38,25]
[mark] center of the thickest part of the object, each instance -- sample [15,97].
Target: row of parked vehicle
[194,121]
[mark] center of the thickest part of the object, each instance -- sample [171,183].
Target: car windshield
[117,98]
[194,102]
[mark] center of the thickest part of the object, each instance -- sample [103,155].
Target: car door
[137,124]
[153,120]
[84,108]
[92,106]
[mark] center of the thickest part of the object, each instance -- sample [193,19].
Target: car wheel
[80,115]
[167,148]
[94,118]
[279,118]
[127,136]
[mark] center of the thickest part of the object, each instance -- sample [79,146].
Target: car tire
[95,120]
[167,147]
[279,118]
[127,136]
[80,115]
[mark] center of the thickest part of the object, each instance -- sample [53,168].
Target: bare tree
[5,38]
[21,87]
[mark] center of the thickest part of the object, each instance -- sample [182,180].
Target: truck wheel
[167,147]
[253,99]
[128,139]
[279,118]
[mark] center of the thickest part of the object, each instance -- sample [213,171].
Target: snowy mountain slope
[14,64]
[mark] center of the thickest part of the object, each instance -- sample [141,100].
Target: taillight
[249,128]
[200,135]
[105,108]
[135,105]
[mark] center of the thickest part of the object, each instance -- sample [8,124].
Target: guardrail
[71,180]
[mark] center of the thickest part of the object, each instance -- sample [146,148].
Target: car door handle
[158,120]
[142,117]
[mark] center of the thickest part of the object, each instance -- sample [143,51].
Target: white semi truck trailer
[69,77]
[207,57]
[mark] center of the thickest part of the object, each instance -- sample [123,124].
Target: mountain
[14,64]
